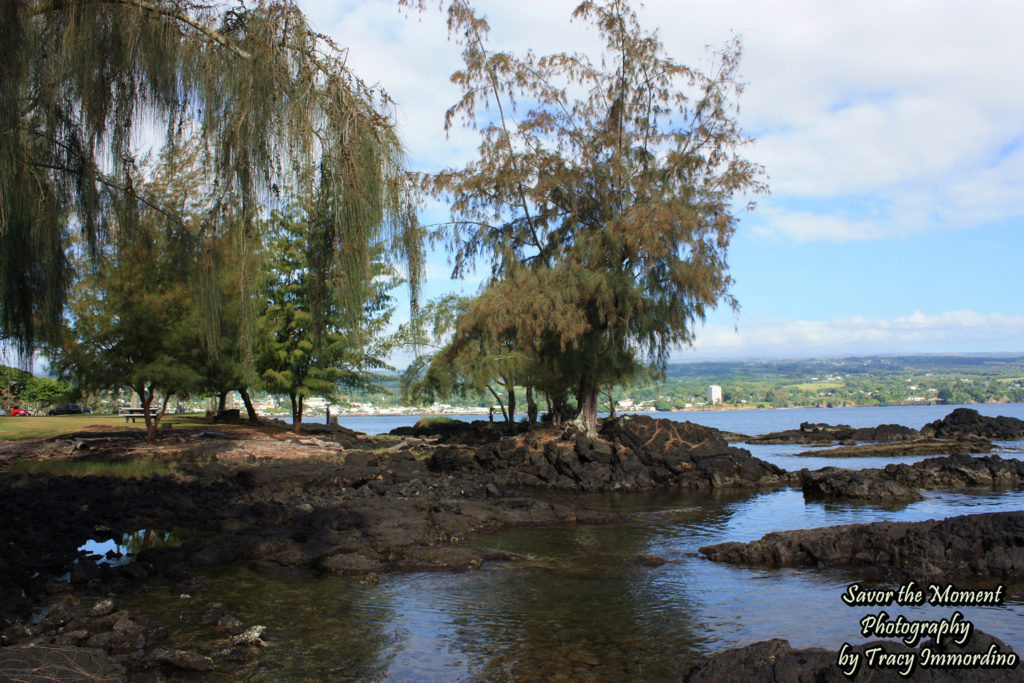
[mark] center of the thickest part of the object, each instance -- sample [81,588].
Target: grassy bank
[45,427]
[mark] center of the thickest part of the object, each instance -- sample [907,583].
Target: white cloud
[907,105]
[805,226]
[951,331]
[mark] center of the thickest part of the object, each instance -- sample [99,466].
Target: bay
[749,422]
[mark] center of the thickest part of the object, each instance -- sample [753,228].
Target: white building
[714,394]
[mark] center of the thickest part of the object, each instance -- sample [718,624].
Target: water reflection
[131,544]
[579,606]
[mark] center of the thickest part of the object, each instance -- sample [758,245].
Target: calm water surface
[749,422]
[577,606]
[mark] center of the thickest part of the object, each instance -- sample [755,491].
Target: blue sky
[892,133]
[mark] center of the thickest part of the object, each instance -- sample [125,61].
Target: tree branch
[185,19]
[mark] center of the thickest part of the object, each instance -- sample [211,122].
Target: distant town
[719,385]
[837,382]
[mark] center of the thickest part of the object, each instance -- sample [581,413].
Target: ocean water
[749,422]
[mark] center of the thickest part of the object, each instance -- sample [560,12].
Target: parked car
[16,410]
[67,409]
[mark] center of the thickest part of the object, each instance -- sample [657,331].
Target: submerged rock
[984,545]
[897,448]
[183,659]
[57,663]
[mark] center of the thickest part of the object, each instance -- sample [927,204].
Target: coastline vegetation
[800,383]
[746,384]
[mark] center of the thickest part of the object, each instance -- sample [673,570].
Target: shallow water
[578,606]
[785,456]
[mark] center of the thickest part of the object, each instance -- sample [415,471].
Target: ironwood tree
[272,97]
[131,325]
[453,360]
[300,354]
[602,197]
[133,319]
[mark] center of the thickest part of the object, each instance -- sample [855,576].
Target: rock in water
[969,546]
[252,636]
[692,455]
[964,422]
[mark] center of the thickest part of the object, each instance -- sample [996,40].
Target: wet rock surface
[984,545]
[961,423]
[777,660]
[631,453]
[898,448]
[902,483]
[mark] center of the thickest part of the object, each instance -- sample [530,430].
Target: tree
[130,327]
[46,391]
[606,217]
[134,320]
[298,353]
[272,97]
[12,383]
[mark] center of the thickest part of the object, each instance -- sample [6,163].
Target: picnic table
[132,413]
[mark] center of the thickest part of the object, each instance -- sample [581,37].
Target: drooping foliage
[272,98]
[602,197]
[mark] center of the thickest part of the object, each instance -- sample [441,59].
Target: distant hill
[858,365]
[787,382]
[849,380]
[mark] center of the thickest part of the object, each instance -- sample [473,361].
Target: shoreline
[701,409]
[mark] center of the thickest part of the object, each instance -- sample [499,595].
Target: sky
[892,134]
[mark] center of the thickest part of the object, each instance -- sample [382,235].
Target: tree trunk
[160,414]
[146,398]
[222,401]
[531,407]
[501,404]
[556,408]
[250,409]
[296,413]
[586,421]
[611,402]
[511,407]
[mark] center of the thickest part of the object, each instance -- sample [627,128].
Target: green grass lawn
[814,386]
[45,426]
